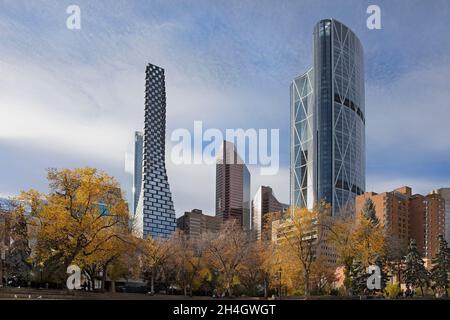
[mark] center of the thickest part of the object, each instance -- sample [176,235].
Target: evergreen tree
[384,276]
[415,273]
[441,267]
[17,259]
[358,278]
[369,211]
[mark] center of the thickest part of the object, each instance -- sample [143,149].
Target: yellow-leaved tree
[80,220]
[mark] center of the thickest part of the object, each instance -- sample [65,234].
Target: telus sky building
[155,215]
[328,121]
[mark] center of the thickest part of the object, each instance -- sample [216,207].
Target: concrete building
[284,228]
[408,216]
[155,215]
[195,223]
[328,121]
[264,203]
[232,186]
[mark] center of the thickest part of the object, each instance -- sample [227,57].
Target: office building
[195,224]
[264,203]
[328,121]
[155,215]
[232,186]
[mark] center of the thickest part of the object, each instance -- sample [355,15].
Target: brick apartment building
[409,216]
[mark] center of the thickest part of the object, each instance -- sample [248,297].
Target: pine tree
[415,273]
[441,267]
[17,259]
[384,276]
[369,211]
[358,278]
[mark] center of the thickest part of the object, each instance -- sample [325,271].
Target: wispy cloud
[73,98]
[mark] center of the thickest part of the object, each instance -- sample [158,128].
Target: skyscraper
[328,121]
[137,171]
[232,186]
[264,202]
[155,213]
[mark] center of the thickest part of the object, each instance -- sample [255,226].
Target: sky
[73,98]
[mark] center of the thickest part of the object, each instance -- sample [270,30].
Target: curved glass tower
[328,121]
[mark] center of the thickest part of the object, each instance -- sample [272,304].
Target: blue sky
[74,97]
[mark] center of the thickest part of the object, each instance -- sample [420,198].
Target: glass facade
[303,134]
[232,186]
[155,207]
[328,145]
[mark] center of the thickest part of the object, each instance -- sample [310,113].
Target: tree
[415,274]
[369,211]
[303,238]
[189,260]
[359,242]
[79,217]
[368,240]
[18,258]
[225,254]
[156,252]
[395,251]
[441,268]
[341,238]
[359,277]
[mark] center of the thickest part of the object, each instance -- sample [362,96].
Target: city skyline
[70,84]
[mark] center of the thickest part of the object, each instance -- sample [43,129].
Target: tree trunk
[103,278]
[306,279]
[152,282]
[113,286]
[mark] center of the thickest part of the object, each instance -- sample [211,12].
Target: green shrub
[391,291]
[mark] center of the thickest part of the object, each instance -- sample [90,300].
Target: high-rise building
[406,216]
[328,121]
[263,204]
[137,171]
[445,194]
[427,222]
[232,186]
[155,215]
[195,223]
[392,210]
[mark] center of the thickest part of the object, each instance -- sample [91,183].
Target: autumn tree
[303,236]
[226,252]
[359,241]
[155,253]
[189,260]
[83,213]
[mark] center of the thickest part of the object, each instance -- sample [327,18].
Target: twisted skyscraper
[155,215]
